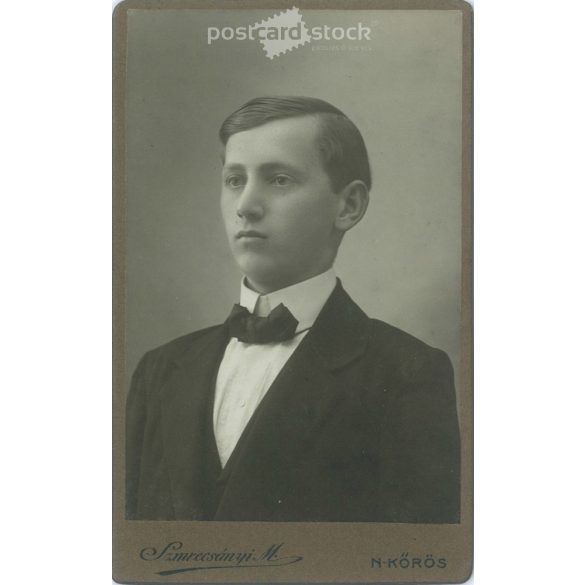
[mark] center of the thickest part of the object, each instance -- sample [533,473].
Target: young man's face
[278,205]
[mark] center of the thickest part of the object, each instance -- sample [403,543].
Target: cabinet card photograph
[292,291]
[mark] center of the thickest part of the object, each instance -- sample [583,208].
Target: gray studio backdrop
[401,264]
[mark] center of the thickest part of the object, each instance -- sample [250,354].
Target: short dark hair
[342,147]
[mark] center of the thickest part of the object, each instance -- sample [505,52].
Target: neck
[265,287]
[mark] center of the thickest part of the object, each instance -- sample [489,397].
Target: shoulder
[389,351]
[177,348]
[180,344]
[405,354]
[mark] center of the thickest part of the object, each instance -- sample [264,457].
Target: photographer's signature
[173,552]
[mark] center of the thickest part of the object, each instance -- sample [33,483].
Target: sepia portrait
[293,301]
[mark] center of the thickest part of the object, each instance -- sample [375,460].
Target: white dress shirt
[248,370]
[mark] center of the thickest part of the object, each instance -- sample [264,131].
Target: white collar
[304,299]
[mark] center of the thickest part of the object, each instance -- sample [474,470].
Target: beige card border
[360,541]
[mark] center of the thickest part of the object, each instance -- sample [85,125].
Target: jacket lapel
[293,410]
[184,406]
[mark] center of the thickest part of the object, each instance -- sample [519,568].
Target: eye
[235,181]
[282,180]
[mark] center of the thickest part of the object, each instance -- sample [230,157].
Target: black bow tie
[280,325]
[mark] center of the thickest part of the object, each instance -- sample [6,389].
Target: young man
[299,407]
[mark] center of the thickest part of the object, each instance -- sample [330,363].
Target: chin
[258,269]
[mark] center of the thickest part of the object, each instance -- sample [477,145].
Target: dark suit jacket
[360,425]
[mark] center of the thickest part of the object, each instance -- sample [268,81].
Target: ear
[353,202]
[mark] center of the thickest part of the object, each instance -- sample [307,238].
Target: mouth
[249,234]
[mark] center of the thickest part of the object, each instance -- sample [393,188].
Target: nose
[250,205]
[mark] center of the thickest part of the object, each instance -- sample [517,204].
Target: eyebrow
[266,167]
